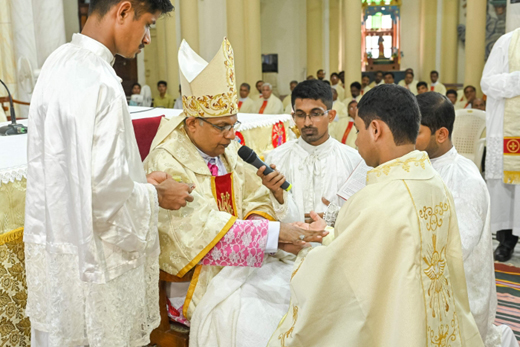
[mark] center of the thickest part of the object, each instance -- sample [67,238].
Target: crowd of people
[381,238]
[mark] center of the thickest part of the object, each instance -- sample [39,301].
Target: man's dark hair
[381,72]
[452,91]
[436,111]
[293,82]
[363,76]
[397,107]
[313,89]
[435,72]
[327,82]
[422,83]
[320,70]
[101,7]
[258,82]
[136,84]
[334,74]
[409,73]
[246,85]
[474,89]
[162,82]
[356,85]
[390,73]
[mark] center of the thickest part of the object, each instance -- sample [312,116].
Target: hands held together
[295,236]
[172,195]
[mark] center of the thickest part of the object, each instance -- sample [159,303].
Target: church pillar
[253,42]
[352,43]
[7,51]
[428,39]
[334,22]
[236,35]
[314,37]
[189,10]
[171,48]
[162,57]
[475,43]
[449,46]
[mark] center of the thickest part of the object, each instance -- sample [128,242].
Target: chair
[467,134]
[5,100]
[170,334]
[145,130]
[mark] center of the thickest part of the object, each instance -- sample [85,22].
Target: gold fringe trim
[512,177]
[11,236]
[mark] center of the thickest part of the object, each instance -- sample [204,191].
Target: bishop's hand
[273,181]
[315,222]
[300,234]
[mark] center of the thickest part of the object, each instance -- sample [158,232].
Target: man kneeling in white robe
[316,164]
[473,211]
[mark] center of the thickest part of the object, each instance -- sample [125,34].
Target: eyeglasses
[225,128]
[312,116]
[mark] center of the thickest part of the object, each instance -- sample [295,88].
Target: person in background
[321,74]
[422,87]
[389,78]
[452,95]
[365,81]
[378,79]
[336,84]
[245,103]
[136,90]
[287,99]
[479,104]
[164,100]
[470,93]
[408,83]
[355,93]
[435,85]
[268,103]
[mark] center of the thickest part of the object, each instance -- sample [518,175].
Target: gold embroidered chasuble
[394,274]
[188,234]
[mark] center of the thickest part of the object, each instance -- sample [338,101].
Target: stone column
[190,23]
[334,24]
[428,41]
[352,42]
[314,37]
[253,42]
[172,49]
[475,43]
[236,35]
[449,45]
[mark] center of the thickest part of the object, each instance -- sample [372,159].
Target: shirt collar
[206,157]
[310,148]
[94,46]
[449,155]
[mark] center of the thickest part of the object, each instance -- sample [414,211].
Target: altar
[260,132]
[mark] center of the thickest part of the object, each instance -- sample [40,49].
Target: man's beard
[310,134]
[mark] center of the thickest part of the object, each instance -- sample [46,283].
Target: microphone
[13,128]
[249,156]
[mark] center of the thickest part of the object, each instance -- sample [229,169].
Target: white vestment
[499,84]
[473,214]
[314,172]
[91,217]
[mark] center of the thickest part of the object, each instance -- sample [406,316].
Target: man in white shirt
[409,82]
[91,238]
[365,81]
[335,83]
[378,79]
[472,205]
[501,83]
[268,103]
[315,164]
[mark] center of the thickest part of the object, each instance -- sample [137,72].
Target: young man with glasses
[316,164]
[224,235]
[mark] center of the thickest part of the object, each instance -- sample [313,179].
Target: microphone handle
[258,164]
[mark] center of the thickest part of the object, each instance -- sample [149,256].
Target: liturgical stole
[512,121]
[222,187]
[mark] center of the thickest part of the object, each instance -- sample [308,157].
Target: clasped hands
[171,194]
[296,236]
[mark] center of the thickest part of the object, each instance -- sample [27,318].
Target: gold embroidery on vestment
[433,216]
[225,204]
[443,337]
[289,332]
[405,165]
[438,291]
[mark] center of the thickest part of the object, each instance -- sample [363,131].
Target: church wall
[410,35]
[70,11]
[284,33]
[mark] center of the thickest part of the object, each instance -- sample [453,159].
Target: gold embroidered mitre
[208,89]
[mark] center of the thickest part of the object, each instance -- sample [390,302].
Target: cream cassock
[91,218]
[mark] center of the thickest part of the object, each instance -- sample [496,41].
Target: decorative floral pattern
[438,291]
[405,165]
[434,216]
[15,328]
[289,332]
[445,334]
[217,105]
[243,245]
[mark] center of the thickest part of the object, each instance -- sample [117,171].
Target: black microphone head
[247,154]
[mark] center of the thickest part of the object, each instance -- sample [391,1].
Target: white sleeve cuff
[273,233]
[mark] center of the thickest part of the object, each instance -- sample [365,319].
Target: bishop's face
[207,137]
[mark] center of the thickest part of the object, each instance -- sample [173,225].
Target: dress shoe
[506,248]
